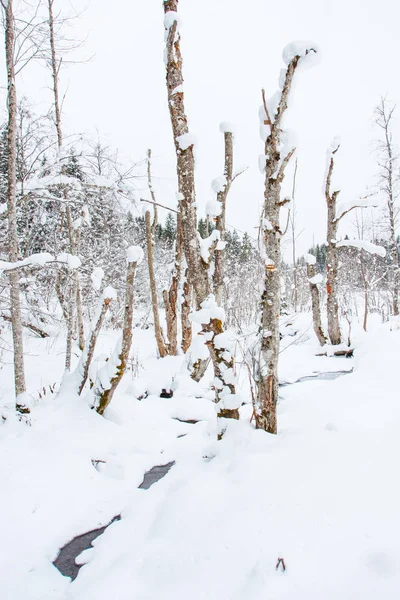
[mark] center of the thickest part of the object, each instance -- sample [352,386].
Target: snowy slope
[323,494]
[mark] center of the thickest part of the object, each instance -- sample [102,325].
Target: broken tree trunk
[332,258]
[267,368]
[315,304]
[197,266]
[116,366]
[88,353]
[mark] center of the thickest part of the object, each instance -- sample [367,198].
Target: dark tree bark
[197,267]
[275,165]
[316,305]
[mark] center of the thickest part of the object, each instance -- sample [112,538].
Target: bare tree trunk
[332,258]
[316,307]
[198,269]
[219,265]
[88,353]
[162,350]
[186,325]
[103,396]
[267,368]
[77,300]
[150,240]
[390,186]
[365,283]
[171,296]
[13,245]
[294,258]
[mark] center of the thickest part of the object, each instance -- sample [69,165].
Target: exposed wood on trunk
[316,306]
[220,225]
[88,353]
[332,258]
[103,397]
[197,267]
[186,307]
[162,350]
[13,245]
[267,369]
[150,241]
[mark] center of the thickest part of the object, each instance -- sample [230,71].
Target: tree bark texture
[316,306]
[162,350]
[332,259]
[103,397]
[88,353]
[267,367]
[13,244]
[220,225]
[197,267]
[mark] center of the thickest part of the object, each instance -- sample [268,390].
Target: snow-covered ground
[323,494]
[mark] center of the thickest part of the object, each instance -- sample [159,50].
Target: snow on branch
[363,245]
[40,259]
[346,207]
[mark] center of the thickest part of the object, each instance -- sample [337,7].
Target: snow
[322,494]
[97,277]
[169,19]
[70,260]
[39,259]
[186,140]
[134,254]
[262,162]
[177,90]
[308,51]
[218,184]
[344,207]
[363,245]
[226,127]
[207,243]
[310,259]
[316,279]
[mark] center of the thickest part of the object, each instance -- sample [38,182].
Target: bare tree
[13,243]
[389,185]
[197,262]
[313,280]
[75,297]
[275,165]
[118,362]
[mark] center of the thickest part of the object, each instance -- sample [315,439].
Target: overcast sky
[232,49]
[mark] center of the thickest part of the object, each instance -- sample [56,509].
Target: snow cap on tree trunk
[308,51]
[134,254]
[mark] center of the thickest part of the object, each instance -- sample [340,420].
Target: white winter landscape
[199,301]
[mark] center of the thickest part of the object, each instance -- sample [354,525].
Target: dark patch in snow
[154,475]
[188,421]
[329,376]
[65,561]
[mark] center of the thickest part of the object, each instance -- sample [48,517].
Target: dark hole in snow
[166,394]
[154,475]
[188,421]
[65,561]
[329,376]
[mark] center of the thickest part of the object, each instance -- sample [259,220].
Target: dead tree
[275,165]
[116,365]
[150,242]
[196,262]
[314,279]
[332,256]
[13,244]
[389,185]
[88,352]
[75,298]
[220,221]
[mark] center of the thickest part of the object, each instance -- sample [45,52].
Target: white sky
[231,50]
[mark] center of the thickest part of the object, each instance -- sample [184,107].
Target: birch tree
[389,185]
[198,258]
[13,243]
[314,279]
[274,162]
